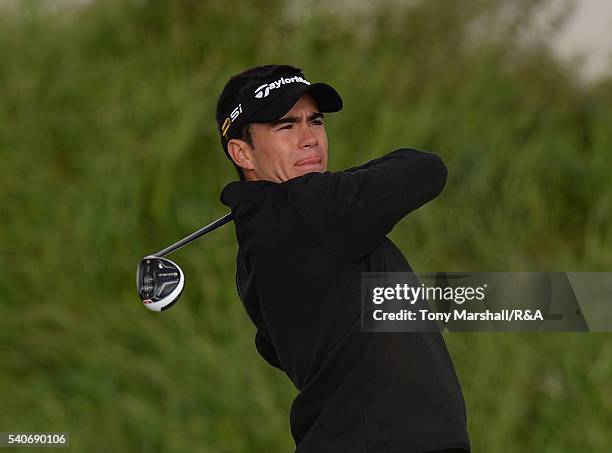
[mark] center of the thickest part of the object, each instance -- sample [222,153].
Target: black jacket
[302,247]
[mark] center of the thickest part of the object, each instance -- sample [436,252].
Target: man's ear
[241,153]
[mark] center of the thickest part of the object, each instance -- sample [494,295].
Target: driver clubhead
[159,282]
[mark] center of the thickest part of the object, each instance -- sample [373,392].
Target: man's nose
[308,139]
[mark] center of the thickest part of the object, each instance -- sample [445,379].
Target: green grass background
[99,100]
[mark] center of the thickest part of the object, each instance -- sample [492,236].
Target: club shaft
[193,236]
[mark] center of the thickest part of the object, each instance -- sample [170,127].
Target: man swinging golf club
[305,236]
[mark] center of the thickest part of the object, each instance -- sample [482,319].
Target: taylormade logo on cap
[264,90]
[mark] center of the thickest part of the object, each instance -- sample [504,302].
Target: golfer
[305,236]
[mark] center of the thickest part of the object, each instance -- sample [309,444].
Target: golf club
[160,281]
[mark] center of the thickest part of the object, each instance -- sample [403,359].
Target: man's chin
[310,168]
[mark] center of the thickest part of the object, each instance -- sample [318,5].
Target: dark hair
[249,80]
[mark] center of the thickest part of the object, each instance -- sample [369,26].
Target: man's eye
[317,122]
[288,126]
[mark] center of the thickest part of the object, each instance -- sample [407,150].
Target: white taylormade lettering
[264,90]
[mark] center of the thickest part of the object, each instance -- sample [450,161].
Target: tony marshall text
[459,315]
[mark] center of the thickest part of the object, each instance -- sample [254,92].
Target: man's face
[291,146]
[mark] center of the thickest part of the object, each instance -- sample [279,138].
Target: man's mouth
[309,161]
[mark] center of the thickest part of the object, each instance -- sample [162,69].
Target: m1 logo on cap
[228,121]
[264,90]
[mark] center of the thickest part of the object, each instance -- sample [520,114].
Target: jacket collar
[236,192]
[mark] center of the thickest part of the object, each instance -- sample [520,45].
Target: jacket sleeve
[266,350]
[352,211]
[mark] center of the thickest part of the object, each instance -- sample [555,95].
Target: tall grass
[99,100]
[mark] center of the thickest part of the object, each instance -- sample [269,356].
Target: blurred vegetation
[109,151]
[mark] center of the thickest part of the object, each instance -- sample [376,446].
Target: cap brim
[327,98]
